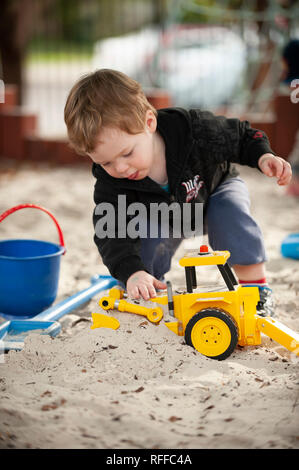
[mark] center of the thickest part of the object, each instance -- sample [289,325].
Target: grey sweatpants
[229,226]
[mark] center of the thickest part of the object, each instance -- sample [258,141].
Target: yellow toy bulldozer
[213,321]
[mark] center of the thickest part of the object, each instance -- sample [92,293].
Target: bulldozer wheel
[213,333]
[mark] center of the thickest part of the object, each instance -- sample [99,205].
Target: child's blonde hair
[105,98]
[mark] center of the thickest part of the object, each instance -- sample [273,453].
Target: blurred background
[224,56]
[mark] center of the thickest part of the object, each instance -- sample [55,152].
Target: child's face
[124,155]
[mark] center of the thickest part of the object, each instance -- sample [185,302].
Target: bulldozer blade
[175,326]
[100,320]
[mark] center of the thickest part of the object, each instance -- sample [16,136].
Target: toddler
[173,156]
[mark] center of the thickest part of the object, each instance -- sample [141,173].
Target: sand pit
[141,386]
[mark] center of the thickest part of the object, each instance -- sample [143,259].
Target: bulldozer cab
[203,257]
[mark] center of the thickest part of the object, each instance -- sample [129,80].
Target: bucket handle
[33,206]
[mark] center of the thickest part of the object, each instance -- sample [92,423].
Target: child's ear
[150,121]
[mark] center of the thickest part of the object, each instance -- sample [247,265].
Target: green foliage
[74,25]
[45,50]
[190,15]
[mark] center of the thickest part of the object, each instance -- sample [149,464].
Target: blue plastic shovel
[14,332]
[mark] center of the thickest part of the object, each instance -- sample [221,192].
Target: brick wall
[19,139]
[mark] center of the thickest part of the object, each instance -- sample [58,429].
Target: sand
[141,386]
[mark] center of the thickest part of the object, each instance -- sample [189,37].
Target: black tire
[228,333]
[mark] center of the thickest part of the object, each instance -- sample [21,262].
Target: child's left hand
[271,165]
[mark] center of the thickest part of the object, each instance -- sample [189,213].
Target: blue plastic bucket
[290,246]
[29,272]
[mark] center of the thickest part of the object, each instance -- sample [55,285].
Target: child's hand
[275,166]
[144,284]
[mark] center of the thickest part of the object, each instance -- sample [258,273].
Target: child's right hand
[144,284]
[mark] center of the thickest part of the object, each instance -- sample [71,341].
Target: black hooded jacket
[200,148]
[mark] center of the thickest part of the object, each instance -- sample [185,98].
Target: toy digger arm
[279,333]
[154,315]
